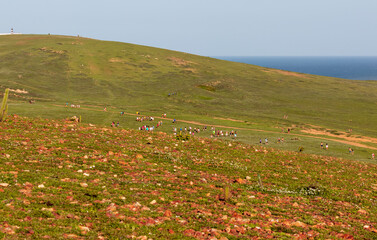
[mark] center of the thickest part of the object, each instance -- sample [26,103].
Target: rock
[153,202]
[240,180]
[361,211]
[144,208]
[4,184]
[48,209]
[83,184]
[84,228]
[299,224]
[41,186]
[168,213]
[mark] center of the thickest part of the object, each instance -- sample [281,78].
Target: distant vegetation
[55,70]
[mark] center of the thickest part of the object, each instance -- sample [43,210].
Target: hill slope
[62,180]
[63,69]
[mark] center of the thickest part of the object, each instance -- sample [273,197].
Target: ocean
[355,68]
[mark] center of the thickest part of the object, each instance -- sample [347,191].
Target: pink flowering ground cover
[67,180]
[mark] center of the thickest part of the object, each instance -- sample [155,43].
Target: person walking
[327,146]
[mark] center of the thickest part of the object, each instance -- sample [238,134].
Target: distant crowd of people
[214,132]
[145,118]
[222,133]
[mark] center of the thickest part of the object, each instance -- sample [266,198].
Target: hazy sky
[208,27]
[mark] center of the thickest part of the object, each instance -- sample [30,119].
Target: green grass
[55,70]
[65,180]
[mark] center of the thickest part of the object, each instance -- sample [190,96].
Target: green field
[55,70]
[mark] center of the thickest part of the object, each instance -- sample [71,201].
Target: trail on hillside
[345,139]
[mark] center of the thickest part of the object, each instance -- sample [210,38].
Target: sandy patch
[193,70]
[45,49]
[180,61]
[342,135]
[287,73]
[116,60]
[18,91]
[229,119]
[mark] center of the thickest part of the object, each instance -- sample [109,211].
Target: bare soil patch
[116,60]
[228,119]
[343,135]
[45,49]
[19,91]
[180,61]
[287,73]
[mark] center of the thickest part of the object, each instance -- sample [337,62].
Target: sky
[208,27]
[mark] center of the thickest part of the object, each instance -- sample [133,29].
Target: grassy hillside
[61,180]
[70,69]
[55,70]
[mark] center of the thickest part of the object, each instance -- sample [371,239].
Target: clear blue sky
[208,27]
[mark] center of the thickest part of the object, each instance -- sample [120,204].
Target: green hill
[62,180]
[55,70]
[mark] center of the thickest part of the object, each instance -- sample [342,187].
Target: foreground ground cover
[66,180]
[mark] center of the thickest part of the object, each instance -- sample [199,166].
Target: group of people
[326,146]
[146,128]
[66,104]
[145,118]
[279,140]
[214,132]
[115,125]
[186,130]
[221,133]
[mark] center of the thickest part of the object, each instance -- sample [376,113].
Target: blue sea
[355,68]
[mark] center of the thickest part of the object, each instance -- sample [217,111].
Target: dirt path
[336,138]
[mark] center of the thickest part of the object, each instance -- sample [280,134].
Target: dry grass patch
[287,73]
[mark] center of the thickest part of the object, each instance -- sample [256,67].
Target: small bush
[183,137]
